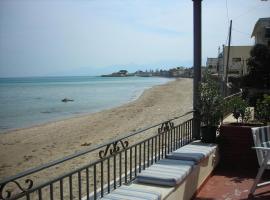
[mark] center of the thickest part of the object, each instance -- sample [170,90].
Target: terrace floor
[232,184]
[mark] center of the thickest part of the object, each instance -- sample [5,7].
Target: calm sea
[26,102]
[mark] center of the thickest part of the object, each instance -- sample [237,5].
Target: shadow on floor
[233,184]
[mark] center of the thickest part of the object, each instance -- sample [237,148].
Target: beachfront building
[144,73]
[220,64]
[212,65]
[177,72]
[261,31]
[237,65]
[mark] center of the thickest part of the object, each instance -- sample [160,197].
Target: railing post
[196,65]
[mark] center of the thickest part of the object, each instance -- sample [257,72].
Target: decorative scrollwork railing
[6,193]
[119,162]
[113,147]
[166,126]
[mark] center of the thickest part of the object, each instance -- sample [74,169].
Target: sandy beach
[26,148]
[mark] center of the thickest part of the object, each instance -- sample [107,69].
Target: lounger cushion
[129,193]
[166,172]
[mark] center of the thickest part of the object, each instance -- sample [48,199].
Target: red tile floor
[231,184]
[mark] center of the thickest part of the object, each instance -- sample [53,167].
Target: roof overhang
[261,20]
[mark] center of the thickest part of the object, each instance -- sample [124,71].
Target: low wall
[190,185]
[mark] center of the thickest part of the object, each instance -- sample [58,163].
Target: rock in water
[66,100]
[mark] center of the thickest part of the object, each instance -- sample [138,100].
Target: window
[235,60]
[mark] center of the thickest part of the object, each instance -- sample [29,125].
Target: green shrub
[262,111]
[211,102]
[259,68]
[239,108]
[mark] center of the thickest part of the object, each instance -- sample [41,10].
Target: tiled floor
[229,184]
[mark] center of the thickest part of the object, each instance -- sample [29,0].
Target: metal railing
[227,110]
[240,93]
[109,165]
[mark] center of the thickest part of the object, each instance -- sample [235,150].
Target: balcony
[117,164]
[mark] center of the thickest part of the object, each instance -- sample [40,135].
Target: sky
[93,37]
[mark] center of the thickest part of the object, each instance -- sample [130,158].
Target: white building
[261,31]
[212,65]
[237,65]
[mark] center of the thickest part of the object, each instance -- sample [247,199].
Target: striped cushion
[195,151]
[166,172]
[261,137]
[195,157]
[201,147]
[130,193]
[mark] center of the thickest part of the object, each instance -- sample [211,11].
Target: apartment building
[261,31]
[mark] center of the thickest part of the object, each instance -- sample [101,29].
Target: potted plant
[210,109]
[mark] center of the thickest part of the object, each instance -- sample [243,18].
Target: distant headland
[171,73]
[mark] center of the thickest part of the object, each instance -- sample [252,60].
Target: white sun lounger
[261,137]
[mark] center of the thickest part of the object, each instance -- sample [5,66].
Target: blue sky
[92,37]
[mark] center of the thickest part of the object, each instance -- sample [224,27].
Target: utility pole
[228,56]
[218,62]
[223,72]
[242,68]
[197,32]
[219,71]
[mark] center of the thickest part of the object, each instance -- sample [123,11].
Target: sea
[25,102]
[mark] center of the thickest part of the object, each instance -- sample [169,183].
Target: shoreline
[133,98]
[29,147]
